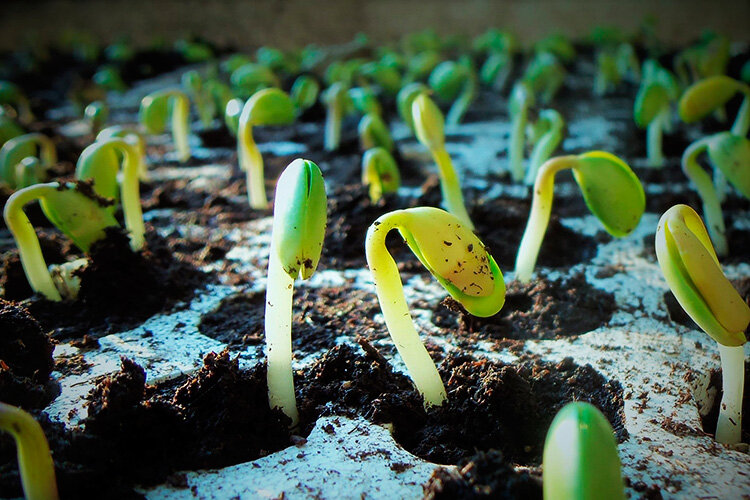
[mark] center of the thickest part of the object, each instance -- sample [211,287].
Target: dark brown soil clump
[25,359]
[541,309]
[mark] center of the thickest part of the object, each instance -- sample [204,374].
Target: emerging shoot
[580,458]
[380,173]
[34,458]
[373,132]
[132,137]
[521,98]
[712,93]
[429,129]
[336,99]
[304,92]
[155,109]
[96,114]
[693,273]
[548,134]
[610,189]
[266,107]
[15,150]
[299,222]
[651,111]
[456,258]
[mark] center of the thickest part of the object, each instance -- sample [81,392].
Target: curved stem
[742,121]
[703,184]
[333,127]
[390,293]
[654,141]
[34,458]
[461,104]
[28,244]
[515,149]
[729,427]
[541,153]
[181,126]
[450,187]
[251,161]
[278,327]
[541,207]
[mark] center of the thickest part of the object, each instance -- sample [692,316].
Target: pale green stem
[720,185]
[711,205]
[654,141]
[181,126]
[251,161]
[28,244]
[278,324]
[502,76]
[450,187]
[130,194]
[333,127]
[515,150]
[729,427]
[390,293]
[47,150]
[34,458]
[541,207]
[742,121]
[542,151]
[461,104]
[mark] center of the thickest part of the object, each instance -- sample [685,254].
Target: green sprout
[336,99]
[100,162]
[694,275]
[405,98]
[193,52]
[558,45]
[627,61]
[132,137]
[30,171]
[304,92]
[455,256]
[429,129]
[710,94]
[96,114]
[611,190]
[80,217]
[608,73]
[109,78]
[266,107]
[496,70]
[204,102]
[364,101]
[153,114]
[34,457]
[232,112]
[421,65]
[729,154]
[16,149]
[386,77]
[8,128]
[120,51]
[580,459]
[454,81]
[521,98]
[548,134]
[11,95]
[277,60]
[651,111]
[380,173]
[299,222]
[544,75]
[373,132]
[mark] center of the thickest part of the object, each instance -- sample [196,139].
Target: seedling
[496,70]
[454,81]
[11,95]
[100,162]
[693,273]
[521,98]
[265,107]
[8,128]
[192,82]
[729,154]
[30,171]
[429,129]
[337,101]
[232,112]
[380,173]
[712,93]
[611,190]
[580,459]
[79,216]
[651,111]
[96,114]
[132,137]
[299,222]
[548,133]
[373,132]
[544,75]
[386,77]
[20,147]
[193,52]
[304,92]
[34,458]
[108,78]
[455,256]
[155,109]
[405,98]
[558,45]
[608,74]
[364,101]
[420,65]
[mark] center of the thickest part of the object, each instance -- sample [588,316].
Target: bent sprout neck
[741,123]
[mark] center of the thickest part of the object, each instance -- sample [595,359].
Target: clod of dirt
[25,359]
[541,309]
[484,475]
